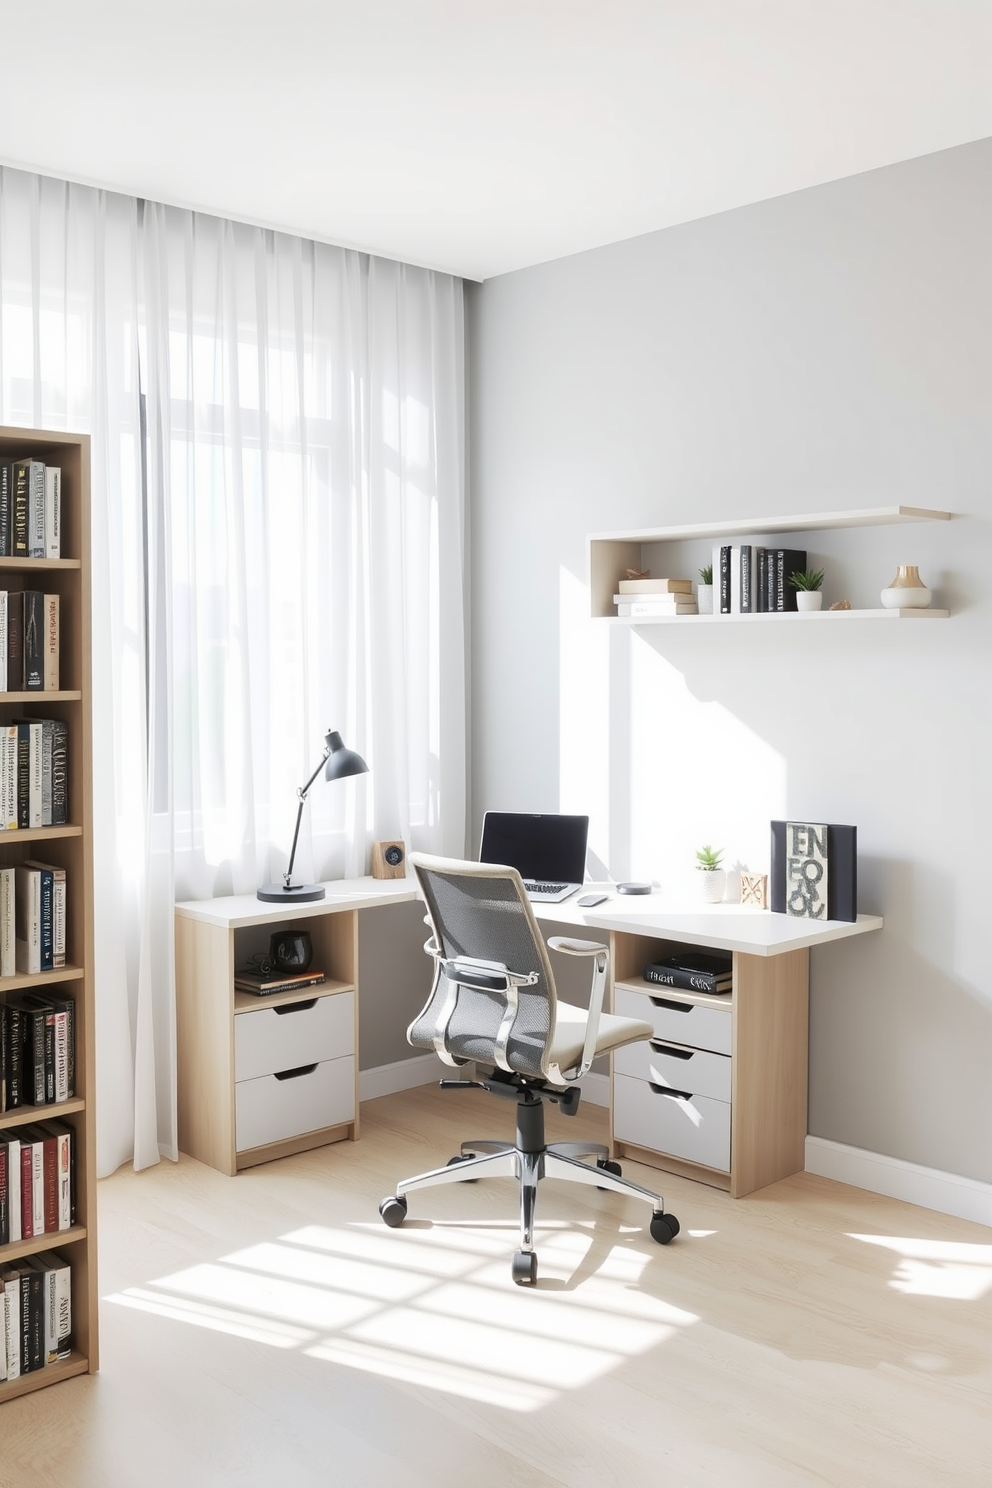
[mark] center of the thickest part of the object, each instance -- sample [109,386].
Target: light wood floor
[268,1329]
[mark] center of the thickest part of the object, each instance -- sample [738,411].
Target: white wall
[826,350]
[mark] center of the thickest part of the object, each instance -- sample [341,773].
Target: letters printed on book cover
[806,870]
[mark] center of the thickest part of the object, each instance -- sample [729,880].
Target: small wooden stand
[388,860]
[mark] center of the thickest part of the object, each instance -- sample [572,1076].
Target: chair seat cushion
[570,1034]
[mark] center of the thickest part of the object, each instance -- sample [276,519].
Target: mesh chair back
[481,910]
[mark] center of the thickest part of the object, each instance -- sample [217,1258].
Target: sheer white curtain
[288,559]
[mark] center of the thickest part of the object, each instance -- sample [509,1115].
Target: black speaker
[291,950]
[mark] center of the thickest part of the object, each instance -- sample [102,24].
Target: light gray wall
[395,980]
[827,350]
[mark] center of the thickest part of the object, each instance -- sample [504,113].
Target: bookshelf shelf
[69,847]
[612,553]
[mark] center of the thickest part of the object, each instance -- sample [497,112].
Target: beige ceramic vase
[907,590]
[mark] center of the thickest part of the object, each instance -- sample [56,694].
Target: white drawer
[293,1033]
[270,1108]
[695,1070]
[678,1022]
[694,1128]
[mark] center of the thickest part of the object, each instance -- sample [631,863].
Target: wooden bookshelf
[70,847]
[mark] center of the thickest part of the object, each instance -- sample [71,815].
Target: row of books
[30,509]
[37,1049]
[33,918]
[693,971]
[649,597]
[34,773]
[36,1313]
[748,580]
[37,1180]
[29,641]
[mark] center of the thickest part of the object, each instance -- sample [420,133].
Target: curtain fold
[278,488]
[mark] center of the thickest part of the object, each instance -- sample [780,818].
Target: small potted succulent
[712,876]
[808,583]
[704,590]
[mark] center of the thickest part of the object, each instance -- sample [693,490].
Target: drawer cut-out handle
[294,1074]
[295,1007]
[674,1050]
[685,1095]
[671,1005]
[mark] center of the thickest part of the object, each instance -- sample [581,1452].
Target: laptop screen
[540,846]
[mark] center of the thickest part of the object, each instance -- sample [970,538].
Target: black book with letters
[34,640]
[6,495]
[693,971]
[19,509]
[792,887]
[787,561]
[60,773]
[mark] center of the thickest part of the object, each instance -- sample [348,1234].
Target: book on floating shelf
[654,586]
[656,604]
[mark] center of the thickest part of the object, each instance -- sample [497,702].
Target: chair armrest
[572,946]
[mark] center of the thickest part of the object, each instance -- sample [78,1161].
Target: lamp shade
[341,760]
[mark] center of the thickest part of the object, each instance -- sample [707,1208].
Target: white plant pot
[809,599]
[704,598]
[713,881]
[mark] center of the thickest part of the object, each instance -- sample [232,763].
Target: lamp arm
[302,793]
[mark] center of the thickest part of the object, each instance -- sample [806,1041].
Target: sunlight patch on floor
[937,1268]
[432,1306]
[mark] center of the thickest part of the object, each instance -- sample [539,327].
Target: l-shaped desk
[719,1094]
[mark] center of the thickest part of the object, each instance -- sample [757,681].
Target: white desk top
[722,927]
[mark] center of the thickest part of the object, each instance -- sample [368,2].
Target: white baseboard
[965,1198]
[424,1069]
[403,1074]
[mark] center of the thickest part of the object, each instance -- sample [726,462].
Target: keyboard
[534,887]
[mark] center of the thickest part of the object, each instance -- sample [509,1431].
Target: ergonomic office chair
[493,1001]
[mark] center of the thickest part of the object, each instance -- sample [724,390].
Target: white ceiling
[480,136]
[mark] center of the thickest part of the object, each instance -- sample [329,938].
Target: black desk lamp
[338,762]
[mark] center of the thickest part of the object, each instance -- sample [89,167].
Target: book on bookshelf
[647,607]
[6,506]
[787,561]
[7,966]
[58,1304]
[3,640]
[50,643]
[10,1277]
[55,913]
[20,500]
[692,971]
[34,641]
[53,511]
[245,981]
[15,640]
[14,1224]
[60,773]
[807,857]
[654,586]
[27,920]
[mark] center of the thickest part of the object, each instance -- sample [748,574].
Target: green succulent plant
[709,857]
[706,573]
[807,579]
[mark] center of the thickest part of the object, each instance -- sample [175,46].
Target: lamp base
[278,893]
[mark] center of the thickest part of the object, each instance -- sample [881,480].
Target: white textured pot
[809,599]
[907,590]
[704,598]
[713,883]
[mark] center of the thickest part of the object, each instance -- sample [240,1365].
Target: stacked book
[266,983]
[748,580]
[34,771]
[33,918]
[30,509]
[653,597]
[35,1313]
[693,971]
[36,1180]
[38,1049]
[29,641]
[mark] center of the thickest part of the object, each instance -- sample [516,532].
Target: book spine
[11,1322]
[15,1057]
[19,511]
[725,580]
[4,1196]
[27,1205]
[35,764]
[36,510]
[15,640]
[34,1050]
[688,981]
[36,1317]
[6,494]
[4,1057]
[50,668]
[7,967]
[60,774]
[61,1055]
[27,920]
[53,511]
[51,1160]
[46,925]
[47,735]
[747,588]
[23,775]
[3,640]
[34,640]
[14,1186]
[65,1179]
[760,580]
[11,776]
[59,898]
[63,1306]
[38,1184]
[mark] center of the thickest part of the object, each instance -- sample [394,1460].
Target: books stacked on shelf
[29,641]
[750,580]
[35,1313]
[33,915]
[34,772]
[276,981]
[693,971]
[38,1047]
[647,597]
[38,1185]
[30,509]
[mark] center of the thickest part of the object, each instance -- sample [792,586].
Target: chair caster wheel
[607,1165]
[453,1163]
[524,1267]
[664,1228]
[393,1210]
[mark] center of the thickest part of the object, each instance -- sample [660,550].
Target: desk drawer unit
[676,1068]
[293,1033]
[292,1102]
[677,1022]
[692,1127]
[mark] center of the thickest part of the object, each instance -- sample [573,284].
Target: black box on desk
[842,868]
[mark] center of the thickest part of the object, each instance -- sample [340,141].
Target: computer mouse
[633,888]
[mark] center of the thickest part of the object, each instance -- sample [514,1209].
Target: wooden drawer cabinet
[294,1102]
[291,1034]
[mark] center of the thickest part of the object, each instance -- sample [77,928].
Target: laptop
[548,851]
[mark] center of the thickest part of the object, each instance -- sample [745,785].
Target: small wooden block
[388,860]
[754,889]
